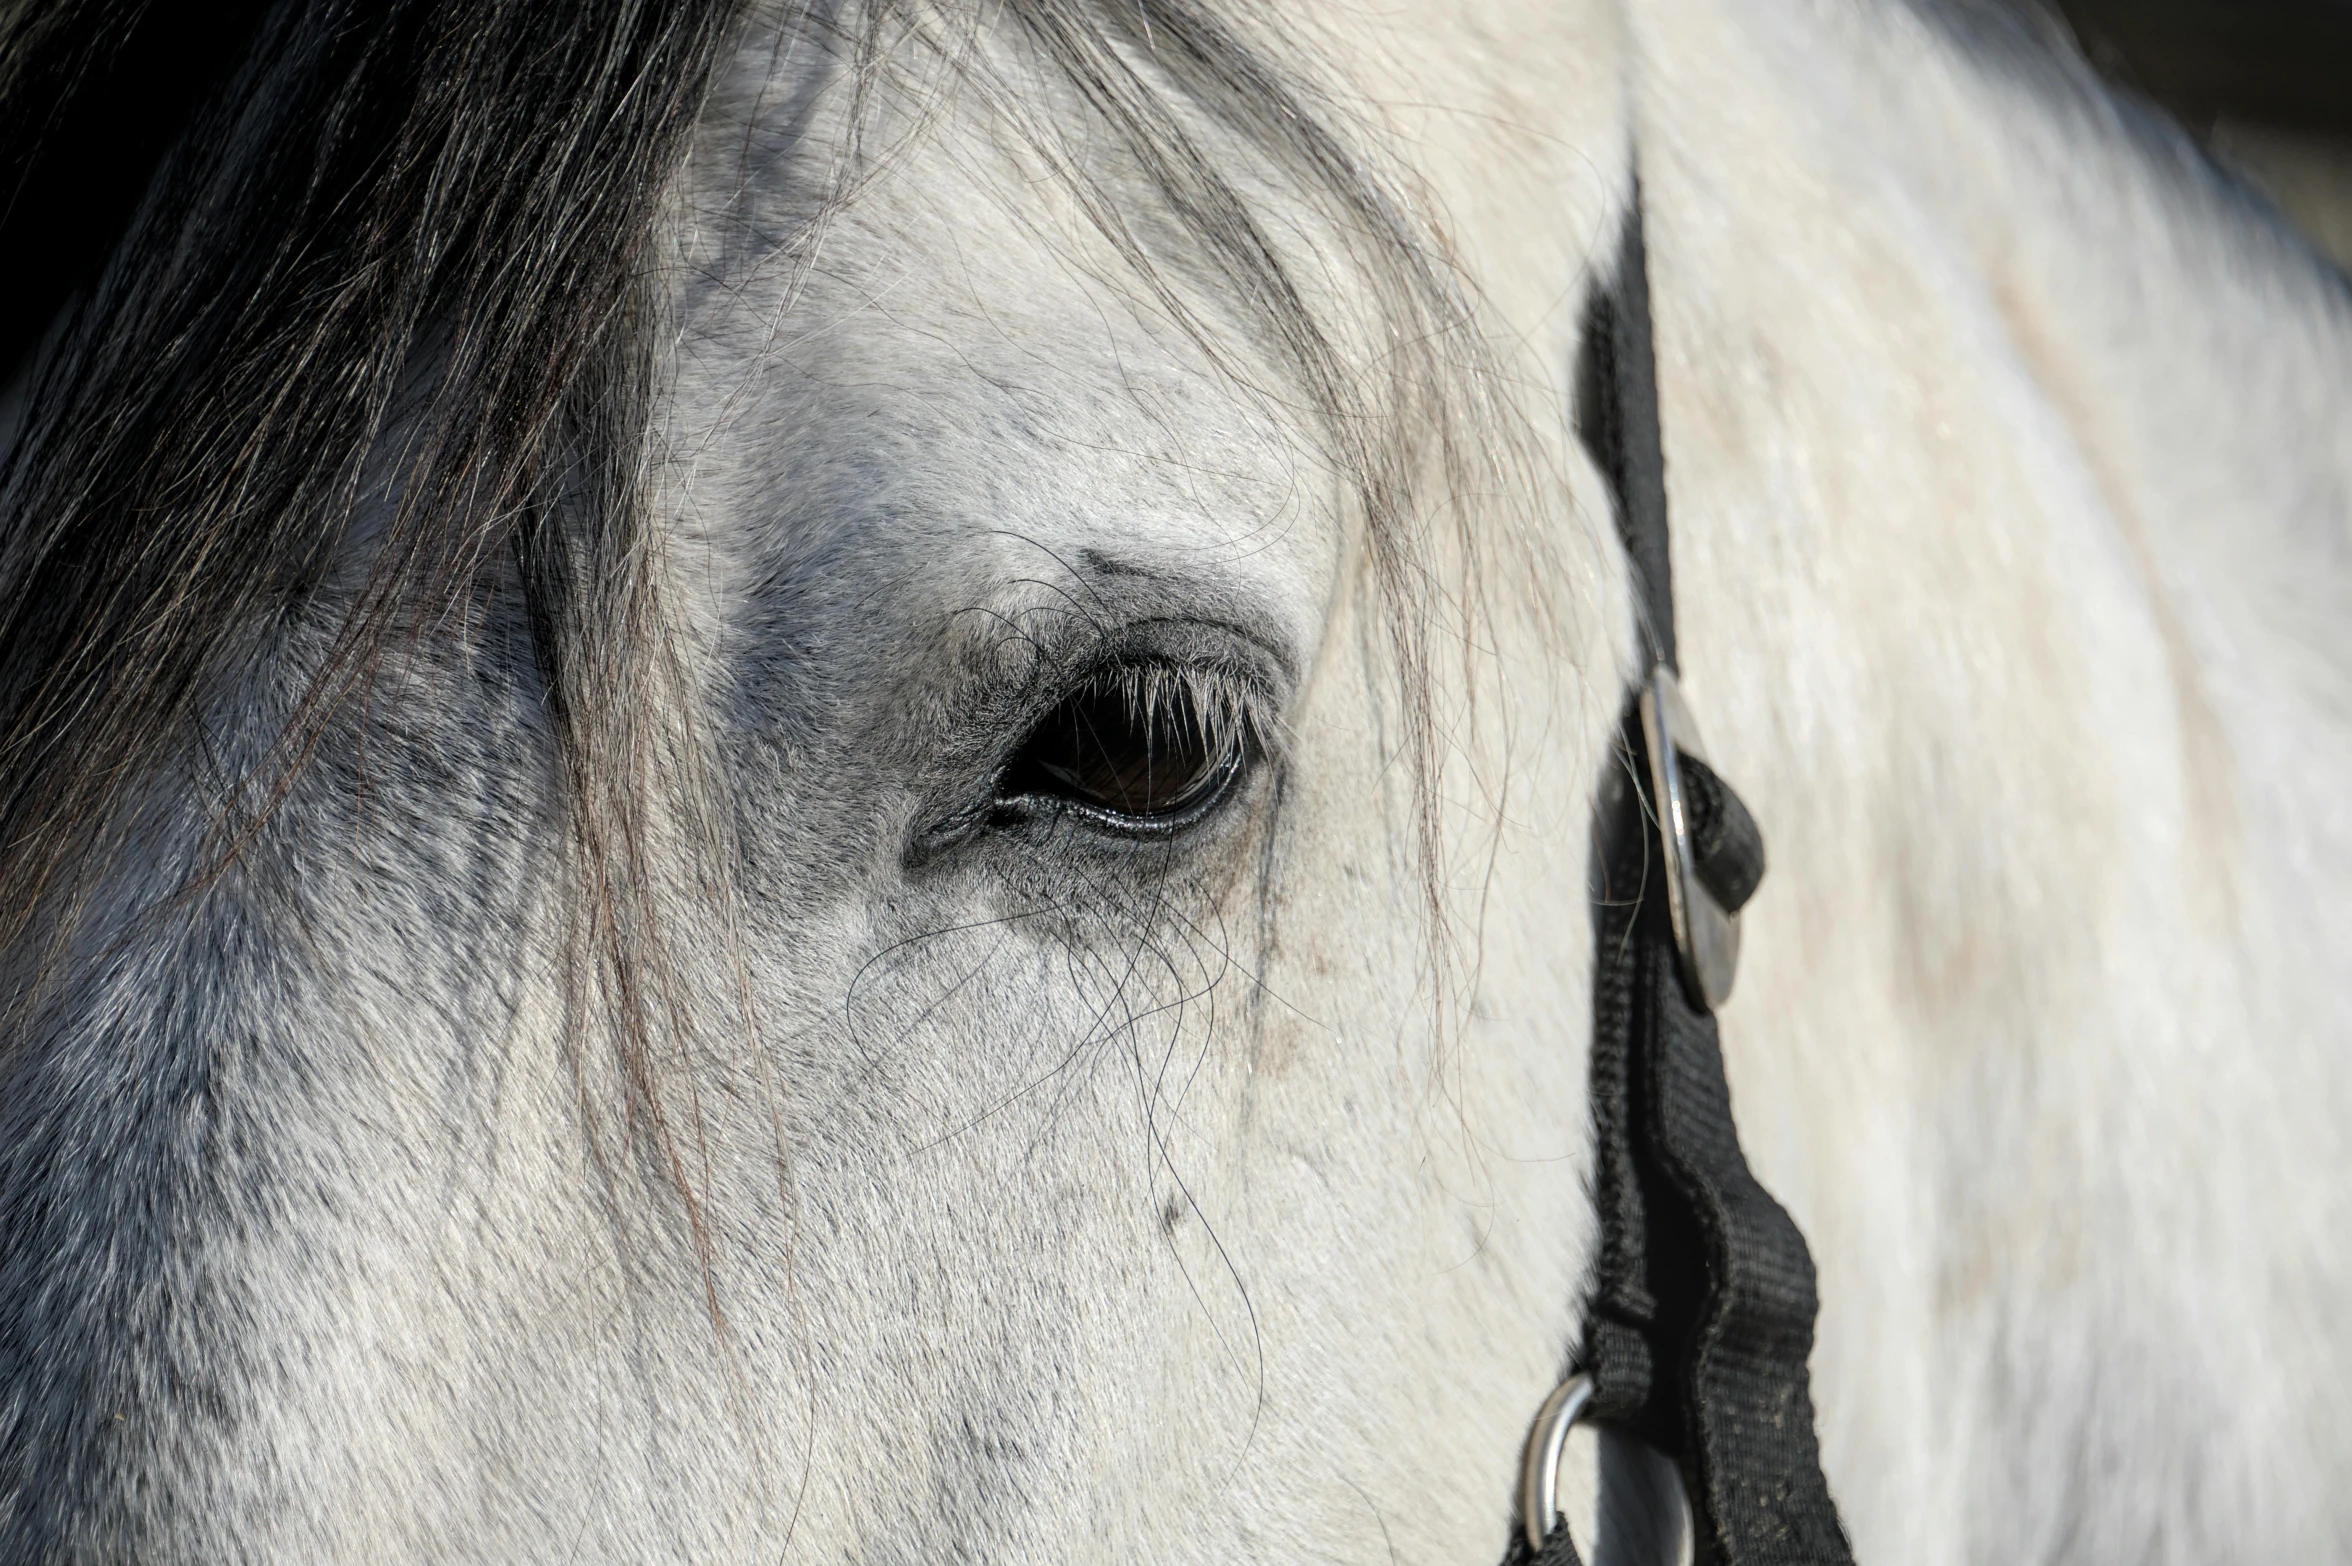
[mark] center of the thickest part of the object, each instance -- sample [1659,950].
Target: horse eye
[1135,748]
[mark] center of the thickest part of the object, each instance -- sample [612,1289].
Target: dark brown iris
[1132,745]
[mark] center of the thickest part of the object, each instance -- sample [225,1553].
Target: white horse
[725,1069]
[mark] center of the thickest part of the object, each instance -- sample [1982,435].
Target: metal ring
[1642,1513]
[1539,1464]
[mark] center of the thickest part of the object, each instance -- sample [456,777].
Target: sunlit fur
[1044,1196]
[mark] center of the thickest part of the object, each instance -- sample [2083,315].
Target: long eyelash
[1226,703]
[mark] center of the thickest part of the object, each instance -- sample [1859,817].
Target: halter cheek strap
[1700,1320]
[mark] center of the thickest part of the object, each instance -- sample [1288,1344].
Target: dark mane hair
[367,177]
[430,219]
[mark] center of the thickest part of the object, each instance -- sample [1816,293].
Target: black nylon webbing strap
[1617,419]
[1701,1316]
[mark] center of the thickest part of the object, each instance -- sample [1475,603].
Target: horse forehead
[959,384]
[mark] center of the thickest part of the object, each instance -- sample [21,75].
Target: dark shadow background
[2266,83]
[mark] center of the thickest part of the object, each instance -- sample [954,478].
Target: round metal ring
[1539,1463]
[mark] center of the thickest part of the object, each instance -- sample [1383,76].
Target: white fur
[1065,1206]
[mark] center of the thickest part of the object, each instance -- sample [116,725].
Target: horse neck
[2004,440]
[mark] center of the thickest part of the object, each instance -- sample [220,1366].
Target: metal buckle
[1706,936]
[1643,1515]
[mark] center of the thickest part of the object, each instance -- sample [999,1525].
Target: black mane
[276,225]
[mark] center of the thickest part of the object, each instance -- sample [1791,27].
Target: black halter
[1701,1313]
